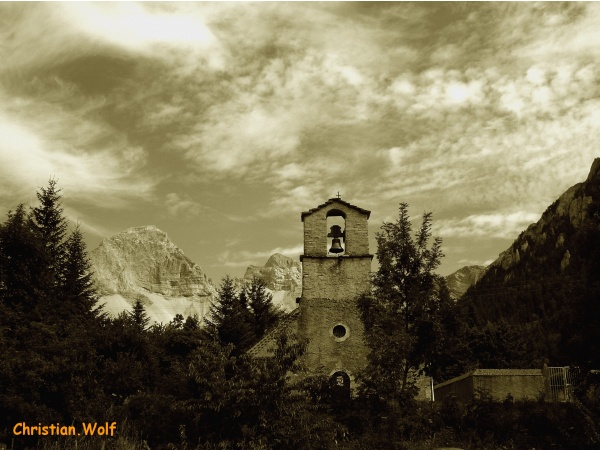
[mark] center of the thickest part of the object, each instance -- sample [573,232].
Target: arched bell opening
[336,232]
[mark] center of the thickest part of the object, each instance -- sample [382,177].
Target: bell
[336,232]
[336,246]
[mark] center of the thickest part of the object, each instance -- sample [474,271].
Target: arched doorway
[339,384]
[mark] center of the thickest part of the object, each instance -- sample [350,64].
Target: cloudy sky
[221,122]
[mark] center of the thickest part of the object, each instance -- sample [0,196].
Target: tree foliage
[138,316]
[22,282]
[402,316]
[49,221]
[46,316]
[78,290]
[241,316]
[265,314]
[180,385]
[230,319]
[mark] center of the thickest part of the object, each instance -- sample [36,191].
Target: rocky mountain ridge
[280,273]
[538,302]
[283,277]
[552,232]
[142,263]
[458,282]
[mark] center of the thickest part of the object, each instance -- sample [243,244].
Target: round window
[339,331]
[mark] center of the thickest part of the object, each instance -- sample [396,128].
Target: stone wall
[315,235]
[326,352]
[331,284]
[497,383]
[335,277]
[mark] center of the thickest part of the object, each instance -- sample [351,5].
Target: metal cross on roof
[338,195]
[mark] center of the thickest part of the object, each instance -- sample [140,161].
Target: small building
[520,384]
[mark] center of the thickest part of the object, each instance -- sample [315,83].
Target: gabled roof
[269,341]
[332,201]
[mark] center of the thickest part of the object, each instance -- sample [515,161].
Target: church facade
[336,269]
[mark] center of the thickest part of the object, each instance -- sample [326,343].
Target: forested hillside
[544,291]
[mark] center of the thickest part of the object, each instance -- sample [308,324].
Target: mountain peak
[548,241]
[283,277]
[279,260]
[458,282]
[594,171]
[143,228]
[144,258]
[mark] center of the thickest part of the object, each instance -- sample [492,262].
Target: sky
[220,123]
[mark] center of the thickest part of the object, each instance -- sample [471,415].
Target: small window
[340,332]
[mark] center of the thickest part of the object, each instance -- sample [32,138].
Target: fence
[559,383]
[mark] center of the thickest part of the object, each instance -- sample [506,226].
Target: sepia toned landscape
[353,225]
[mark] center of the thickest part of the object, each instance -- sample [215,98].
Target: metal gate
[559,383]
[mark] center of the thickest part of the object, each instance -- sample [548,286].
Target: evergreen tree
[265,313]
[79,294]
[22,283]
[138,316]
[46,322]
[49,220]
[230,320]
[19,295]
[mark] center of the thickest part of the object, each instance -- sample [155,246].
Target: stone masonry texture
[330,288]
[497,383]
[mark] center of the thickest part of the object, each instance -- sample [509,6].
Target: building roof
[332,201]
[268,342]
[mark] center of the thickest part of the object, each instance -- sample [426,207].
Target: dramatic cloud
[491,225]
[34,149]
[229,119]
[178,206]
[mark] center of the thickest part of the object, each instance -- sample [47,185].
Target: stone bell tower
[336,269]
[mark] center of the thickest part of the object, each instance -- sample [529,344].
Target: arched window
[336,232]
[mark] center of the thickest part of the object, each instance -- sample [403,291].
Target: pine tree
[22,282]
[78,293]
[265,313]
[230,320]
[46,300]
[49,220]
[138,316]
